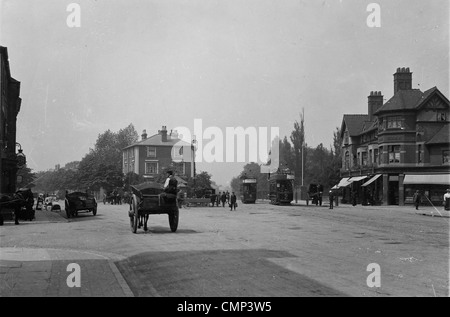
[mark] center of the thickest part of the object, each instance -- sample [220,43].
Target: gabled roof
[441,137]
[156,140]
[354,123]
[402,100]
[411,99]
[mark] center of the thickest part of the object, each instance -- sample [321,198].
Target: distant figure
[219,196]
[354,198]
[320,190]
[213,199]
[228,197]
[447,200]
[224,199]
[417,199]
[331,197]
[233,200]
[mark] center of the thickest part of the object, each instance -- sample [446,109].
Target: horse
[23,198]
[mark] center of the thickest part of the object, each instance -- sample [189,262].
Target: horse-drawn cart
[150,199]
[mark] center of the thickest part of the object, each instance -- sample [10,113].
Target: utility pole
[303,139]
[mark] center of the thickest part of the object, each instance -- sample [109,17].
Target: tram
[281,188]
[248,190]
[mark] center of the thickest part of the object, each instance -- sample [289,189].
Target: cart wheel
[135,218]
[94,211]
[174,215]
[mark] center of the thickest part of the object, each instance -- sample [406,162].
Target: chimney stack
[375,101]
[163,133]
[144,135]
[402,79]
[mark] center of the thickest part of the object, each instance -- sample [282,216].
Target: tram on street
[248,190]
[281,185]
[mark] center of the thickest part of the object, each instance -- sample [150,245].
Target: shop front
[431,186]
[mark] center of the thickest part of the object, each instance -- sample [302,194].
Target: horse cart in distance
[79,201]
[149,198]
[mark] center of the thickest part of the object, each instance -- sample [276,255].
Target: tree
[102,166]
[200,185]
[27,178]
[298,141]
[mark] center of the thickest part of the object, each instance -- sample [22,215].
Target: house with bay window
[399,146]
[151,155]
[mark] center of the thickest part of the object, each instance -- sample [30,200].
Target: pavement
[44,272]
[48,272]
[432,211]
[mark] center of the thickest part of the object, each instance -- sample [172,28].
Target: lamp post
[21,158]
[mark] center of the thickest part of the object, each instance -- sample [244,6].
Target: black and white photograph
[224,154]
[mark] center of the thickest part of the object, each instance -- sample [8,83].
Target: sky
[230,63]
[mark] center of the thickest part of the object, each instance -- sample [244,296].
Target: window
[364,158]
[151,167]
[151,151]
[419,154]
[347,160]
[394,154]
[446,156]
[441,116]
[370,156]
[380,158]
[395,123]
[345,137]
[375,156]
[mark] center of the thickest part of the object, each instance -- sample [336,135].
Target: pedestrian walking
[320,190]
[219,196]
[233,201]
[417,199]
[213,199]
[228,197]
[354,200]
[331,197]
[224,199]
[447,200]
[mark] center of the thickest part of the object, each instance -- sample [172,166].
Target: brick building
[10,103]
[151,155]
[397,147]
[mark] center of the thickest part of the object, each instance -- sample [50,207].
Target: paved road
[259,250]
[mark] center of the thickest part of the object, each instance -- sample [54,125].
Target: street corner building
[10,103]
[163,150]
[398,147]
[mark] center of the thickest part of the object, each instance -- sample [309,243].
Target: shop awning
[370,181]
[432,179]
[343,183]
[356,179]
